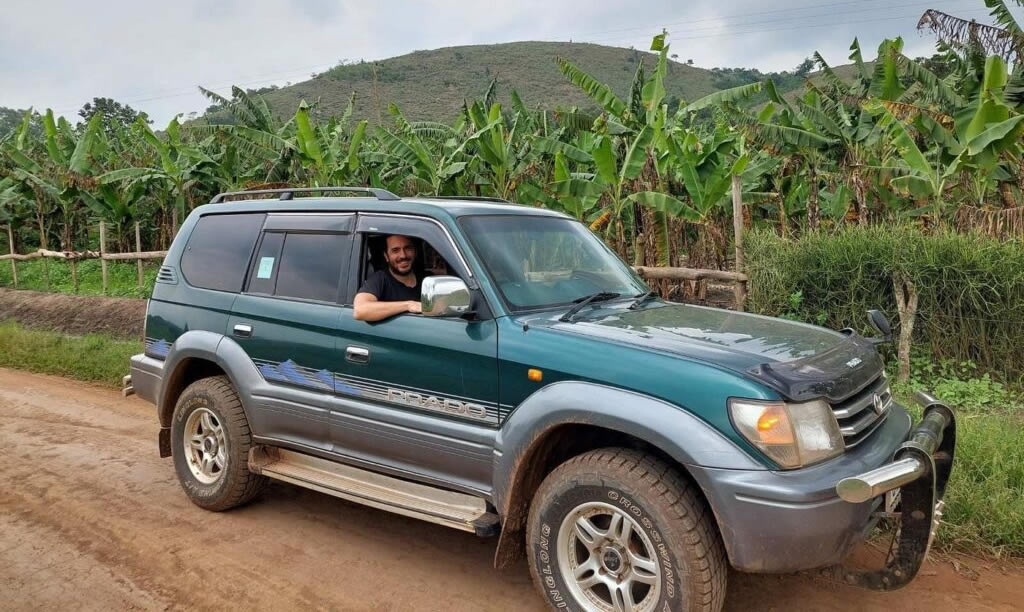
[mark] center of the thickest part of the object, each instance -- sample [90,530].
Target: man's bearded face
[400,254]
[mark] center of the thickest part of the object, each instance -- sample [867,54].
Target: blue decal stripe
[157,347]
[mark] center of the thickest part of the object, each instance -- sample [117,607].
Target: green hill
[433,84]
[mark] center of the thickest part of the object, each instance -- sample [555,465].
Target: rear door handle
[357,354]
[243,331]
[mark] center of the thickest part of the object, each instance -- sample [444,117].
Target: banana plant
[117,205]
[574,193]
[329,154]
[180,166]
[976,143]
[65,172]
[500,147]
[428,154]
[265,146]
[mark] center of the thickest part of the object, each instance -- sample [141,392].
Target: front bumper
[795,520]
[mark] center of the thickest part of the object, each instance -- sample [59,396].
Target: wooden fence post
[740,287]
[74,264]
[103,251]
[14,266]
[138,249]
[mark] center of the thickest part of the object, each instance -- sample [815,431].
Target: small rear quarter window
[218,251]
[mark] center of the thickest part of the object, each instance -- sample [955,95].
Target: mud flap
[163,442]
[933,443]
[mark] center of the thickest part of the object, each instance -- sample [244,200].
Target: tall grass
[122,277]
[92,358]
[971,287]
[984,512]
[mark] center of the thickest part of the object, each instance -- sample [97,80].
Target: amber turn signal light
[534,374]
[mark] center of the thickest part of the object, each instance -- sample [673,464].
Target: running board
[441,506]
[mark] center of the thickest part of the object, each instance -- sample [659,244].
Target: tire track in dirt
[91,517]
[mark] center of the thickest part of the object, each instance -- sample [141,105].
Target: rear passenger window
[218,251]
[299,265]
[310,266]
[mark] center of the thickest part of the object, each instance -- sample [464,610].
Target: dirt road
[91,518]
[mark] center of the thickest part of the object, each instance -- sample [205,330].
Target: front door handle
[357,354]
[243,331]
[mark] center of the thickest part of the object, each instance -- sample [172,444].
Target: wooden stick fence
[74,256]
[739,279]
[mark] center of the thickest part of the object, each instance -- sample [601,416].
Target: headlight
[792,435]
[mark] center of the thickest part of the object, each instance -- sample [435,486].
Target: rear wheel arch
[185,371]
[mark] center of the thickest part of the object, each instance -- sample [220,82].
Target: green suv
[631,448]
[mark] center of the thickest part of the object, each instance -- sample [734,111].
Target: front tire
[210,441]
[617,529]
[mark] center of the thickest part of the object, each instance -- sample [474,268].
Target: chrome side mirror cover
[444,296]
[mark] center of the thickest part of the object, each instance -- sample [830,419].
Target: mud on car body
[631,448]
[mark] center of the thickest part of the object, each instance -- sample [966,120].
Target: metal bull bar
[920,469]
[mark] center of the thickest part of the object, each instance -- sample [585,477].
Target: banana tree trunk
[1006,195]
[812,199]
[661,241]
[859,194]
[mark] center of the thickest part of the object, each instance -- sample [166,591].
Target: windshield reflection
[538,262]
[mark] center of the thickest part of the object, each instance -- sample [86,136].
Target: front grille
[860,415]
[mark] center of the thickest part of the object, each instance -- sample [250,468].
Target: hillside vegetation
[434,84]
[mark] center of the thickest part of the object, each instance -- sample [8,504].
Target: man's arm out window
[368,307]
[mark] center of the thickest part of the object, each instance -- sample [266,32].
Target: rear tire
[210,441]
[614,527]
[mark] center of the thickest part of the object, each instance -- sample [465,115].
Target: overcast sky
[152,55]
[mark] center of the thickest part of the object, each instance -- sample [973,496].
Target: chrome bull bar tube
[920,469]
[859,489]
[908,465]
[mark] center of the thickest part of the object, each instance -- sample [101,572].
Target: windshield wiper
[582,302]
[640,299]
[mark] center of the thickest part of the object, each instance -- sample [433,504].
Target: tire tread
[674,493]
[245,485]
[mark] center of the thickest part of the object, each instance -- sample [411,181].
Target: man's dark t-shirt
[386,288]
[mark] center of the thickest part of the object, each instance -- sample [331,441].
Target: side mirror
[881,325]
[444,296]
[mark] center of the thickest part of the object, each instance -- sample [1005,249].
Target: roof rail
[470,198]
[288,193]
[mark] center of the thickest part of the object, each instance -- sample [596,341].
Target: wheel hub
[205,445]
[612,560]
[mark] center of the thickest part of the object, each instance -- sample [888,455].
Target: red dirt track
[91,518]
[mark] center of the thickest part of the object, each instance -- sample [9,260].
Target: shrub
[971,288]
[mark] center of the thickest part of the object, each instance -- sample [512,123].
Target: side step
[424,502]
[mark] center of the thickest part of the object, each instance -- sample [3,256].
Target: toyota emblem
[877,404]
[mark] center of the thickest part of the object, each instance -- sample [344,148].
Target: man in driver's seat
[394,290]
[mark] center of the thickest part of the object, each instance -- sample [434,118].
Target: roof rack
[471,198]
[289,193]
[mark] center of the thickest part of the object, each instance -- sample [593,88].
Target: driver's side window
[428,261]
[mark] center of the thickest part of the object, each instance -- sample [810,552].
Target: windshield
[541,262]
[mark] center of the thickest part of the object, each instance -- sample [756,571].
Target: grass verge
[122,277]
[984,513]
[92,358]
